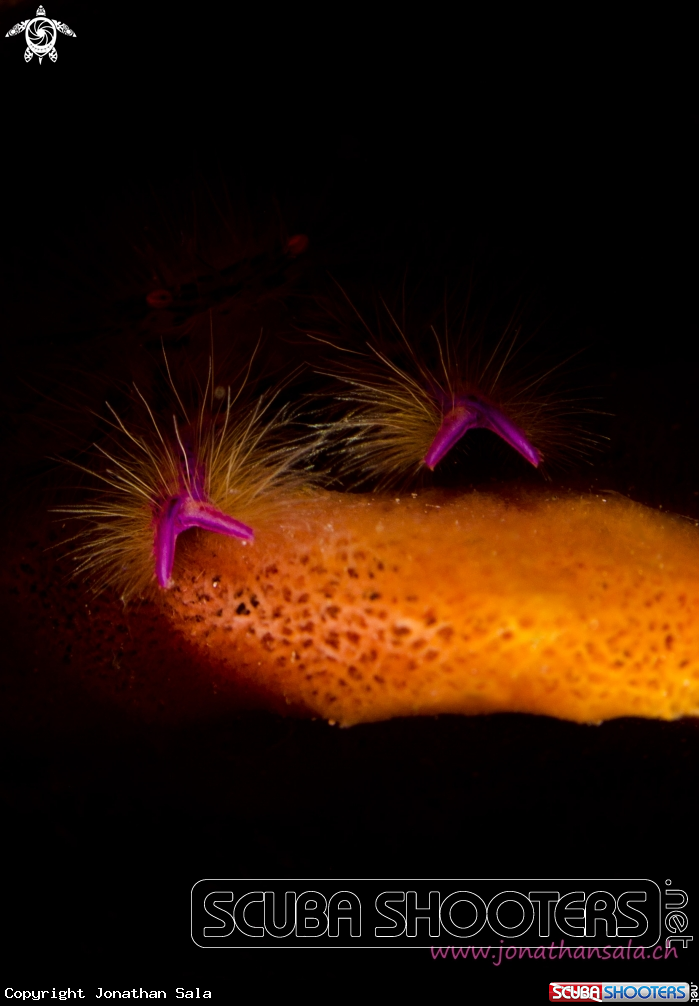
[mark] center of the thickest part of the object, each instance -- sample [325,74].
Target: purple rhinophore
[180,512]
[468,413]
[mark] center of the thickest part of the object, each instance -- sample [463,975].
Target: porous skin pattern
[362,608]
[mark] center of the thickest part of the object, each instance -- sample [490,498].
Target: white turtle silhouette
[40,33]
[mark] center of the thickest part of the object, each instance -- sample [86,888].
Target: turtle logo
[40,33]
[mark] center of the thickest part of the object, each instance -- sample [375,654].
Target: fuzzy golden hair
[394,409]
[256,463]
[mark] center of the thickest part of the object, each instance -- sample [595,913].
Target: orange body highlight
[360,608]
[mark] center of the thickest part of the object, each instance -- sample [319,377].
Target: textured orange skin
[363,608]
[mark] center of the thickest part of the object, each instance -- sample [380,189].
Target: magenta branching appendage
[468,413]
[179,513]
[189,508]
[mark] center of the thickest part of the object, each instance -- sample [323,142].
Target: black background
[408,141]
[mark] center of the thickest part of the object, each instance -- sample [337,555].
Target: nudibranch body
[357,607]
[362,608]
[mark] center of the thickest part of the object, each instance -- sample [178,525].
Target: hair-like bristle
[389,427]
[244,460]
[398,414]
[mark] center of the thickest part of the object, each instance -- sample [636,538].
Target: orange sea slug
[359,608]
